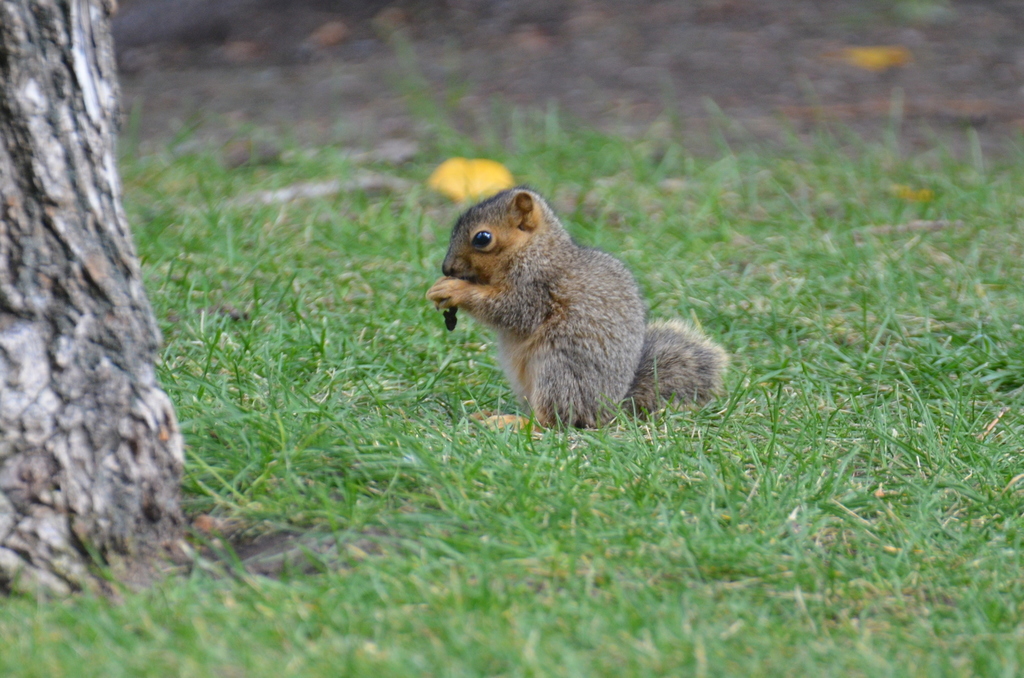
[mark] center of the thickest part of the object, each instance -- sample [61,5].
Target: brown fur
[570,320]
[678,363]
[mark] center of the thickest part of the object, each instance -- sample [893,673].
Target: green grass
[846,509]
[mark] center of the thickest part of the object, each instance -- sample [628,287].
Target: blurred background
[364,72]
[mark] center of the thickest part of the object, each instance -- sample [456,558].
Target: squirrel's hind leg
[500,421]
[563,395]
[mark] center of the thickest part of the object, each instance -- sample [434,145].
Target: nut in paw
[447,292]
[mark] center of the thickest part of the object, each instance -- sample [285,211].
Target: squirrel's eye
[482,239]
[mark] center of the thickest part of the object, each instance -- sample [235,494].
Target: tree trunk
[90,452]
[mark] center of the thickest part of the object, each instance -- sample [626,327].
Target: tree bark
[90,452]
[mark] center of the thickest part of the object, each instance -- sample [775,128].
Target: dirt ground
[359,72]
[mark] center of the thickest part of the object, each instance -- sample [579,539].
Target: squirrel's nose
[446,268]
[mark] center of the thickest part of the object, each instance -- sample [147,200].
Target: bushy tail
[678,364]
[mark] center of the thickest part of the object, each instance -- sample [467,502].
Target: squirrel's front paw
[447,292]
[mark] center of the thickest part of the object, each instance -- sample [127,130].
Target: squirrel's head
[487,237]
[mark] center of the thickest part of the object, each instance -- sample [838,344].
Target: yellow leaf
[461,178]
[913,195]
[875,58]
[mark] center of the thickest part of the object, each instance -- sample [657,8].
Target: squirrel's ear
[525,210]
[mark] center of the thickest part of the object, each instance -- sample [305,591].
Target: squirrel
[573,338]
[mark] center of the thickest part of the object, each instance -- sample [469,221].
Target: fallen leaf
[461,178]
[500,421]
[913,195]
[877,59]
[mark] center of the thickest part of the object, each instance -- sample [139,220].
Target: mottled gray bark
[90,452]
